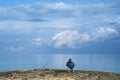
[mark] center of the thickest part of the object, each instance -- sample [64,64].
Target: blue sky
[17,2]
[59,26]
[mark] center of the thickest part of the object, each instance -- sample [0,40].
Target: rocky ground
[57,74]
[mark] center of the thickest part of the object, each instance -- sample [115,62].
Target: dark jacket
[70,64]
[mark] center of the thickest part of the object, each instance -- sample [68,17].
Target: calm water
[83,61]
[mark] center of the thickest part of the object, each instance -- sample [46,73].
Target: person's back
[70,64]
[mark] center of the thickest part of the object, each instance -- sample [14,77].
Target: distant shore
[58,74]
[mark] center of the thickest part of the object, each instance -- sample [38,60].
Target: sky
[59,26]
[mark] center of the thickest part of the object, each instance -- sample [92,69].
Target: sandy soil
[57,74]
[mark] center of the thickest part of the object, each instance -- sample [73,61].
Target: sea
[94,62]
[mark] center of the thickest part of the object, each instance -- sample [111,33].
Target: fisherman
[70,64]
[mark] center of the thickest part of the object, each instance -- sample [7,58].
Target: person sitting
[70,64]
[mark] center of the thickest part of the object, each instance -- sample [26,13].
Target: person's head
[70,59]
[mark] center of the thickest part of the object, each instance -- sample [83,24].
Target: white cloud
[61,16]
[57,6]
[15,49]
[41,11]
[67,37]
[28,27]
[112,19]
[16,26]
[103,33]
[37,41]
[84,38]
[72,38]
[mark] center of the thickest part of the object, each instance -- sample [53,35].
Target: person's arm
[67,64]
[73,64]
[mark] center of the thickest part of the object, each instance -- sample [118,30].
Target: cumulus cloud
[62,16]
[73,38]
[67,37]
[103,33]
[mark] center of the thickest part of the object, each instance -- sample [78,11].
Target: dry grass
[57,74]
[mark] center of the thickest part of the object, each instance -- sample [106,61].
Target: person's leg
[71,70]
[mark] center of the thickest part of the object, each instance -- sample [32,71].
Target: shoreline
[58,74]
